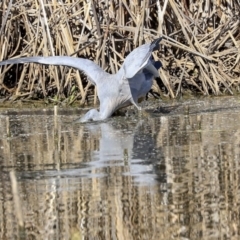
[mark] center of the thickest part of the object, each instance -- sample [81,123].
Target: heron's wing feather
[92,70]
[134,61]
[155,44]
[141,83]
[151,69]
[157,64]
[138,59]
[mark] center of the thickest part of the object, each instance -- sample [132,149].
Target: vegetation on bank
[200,52]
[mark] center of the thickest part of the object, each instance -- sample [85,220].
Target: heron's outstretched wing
[138,59]
[141,83]
[92,70]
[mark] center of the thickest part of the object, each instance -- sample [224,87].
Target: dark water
[173,173]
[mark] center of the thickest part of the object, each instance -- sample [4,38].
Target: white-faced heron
[133,80]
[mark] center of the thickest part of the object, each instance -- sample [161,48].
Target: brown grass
[200,53]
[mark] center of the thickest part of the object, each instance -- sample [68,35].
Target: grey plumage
[132,81]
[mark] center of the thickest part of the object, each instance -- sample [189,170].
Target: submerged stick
[16,199]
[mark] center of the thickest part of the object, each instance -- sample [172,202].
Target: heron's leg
[134,102]
[141,112]
[134,98]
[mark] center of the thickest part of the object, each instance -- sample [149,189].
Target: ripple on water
[169,175]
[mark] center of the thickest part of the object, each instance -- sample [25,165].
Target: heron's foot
[144,113]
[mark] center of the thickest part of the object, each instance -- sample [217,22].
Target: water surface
[170,173]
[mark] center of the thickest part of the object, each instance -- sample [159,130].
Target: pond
[172,172]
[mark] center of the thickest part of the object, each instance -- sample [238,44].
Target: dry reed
[200,53]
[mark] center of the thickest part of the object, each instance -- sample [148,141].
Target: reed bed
[200,52]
